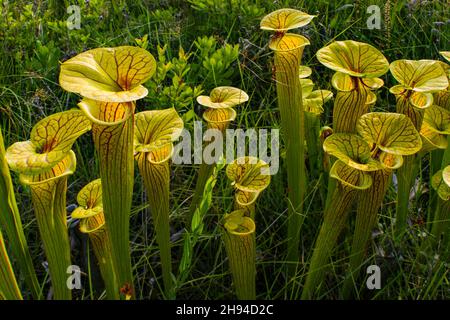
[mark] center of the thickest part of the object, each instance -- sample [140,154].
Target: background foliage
[201,44]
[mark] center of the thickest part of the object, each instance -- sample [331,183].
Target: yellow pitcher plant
[391,136]
[92,223]
[219,113]
[110,80]
[288,51]
[440,230]
[363,160]
[418,80]
[357,67]
[249,176]
[44,163]
[153,142]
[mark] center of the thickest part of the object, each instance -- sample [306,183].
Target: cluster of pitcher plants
[355,162]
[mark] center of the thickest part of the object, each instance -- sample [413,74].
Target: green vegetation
[344,201]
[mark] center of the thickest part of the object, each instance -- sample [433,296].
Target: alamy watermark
[209,147]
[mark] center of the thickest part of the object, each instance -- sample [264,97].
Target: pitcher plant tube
[11,223]
[44,163]
[110,81]
[9,289]
[418,80]
[288,51]
[153,142]
[219,113]
[92,223]
[358,67]
[239,239]
[391,136]
[313,101]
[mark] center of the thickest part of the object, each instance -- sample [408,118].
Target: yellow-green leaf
[92,223]
[285,19]
[373,83]
[354,58]
[419,75]
[246,198]
[437,119]
[106,113]
[89,200]
[440,182]
[350,177]
[109,74]
[249,174]
[314,101]
[352,150]
[156,128]
[446,55]
[431,139]
[219,115]
[391,161]
[391,132]
[307,86]
[342,82]
[236,223]
[304,72]
[446,175]
[288,42]
[51,139]
[223,97]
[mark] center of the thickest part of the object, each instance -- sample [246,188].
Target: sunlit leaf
[109,74]
[419,75]
[446,55]
[373,83]
[237,223]
[354,58]
[106,113]
[446,175]
[391,132]
[246,198]
[431,139]
[223,97]
[156,128]
[307,87]
[304,72]
[342,82]
[440,183]
[391,161]
[288,42]
[50,141]
[352,150]
[437,119]
[219,115]
[89,200]
[314,101]
[249,174]
[350,177]
[371,97]
[285,19]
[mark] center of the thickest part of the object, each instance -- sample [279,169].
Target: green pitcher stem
[241,254]
[157,183]
[405,174]
[349,107]
[114,145]
[335,218]
[101,246]
[312,128]
[49,202]
[441,224]
[289,94]
[11,223]
[369,202]
[9,289]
